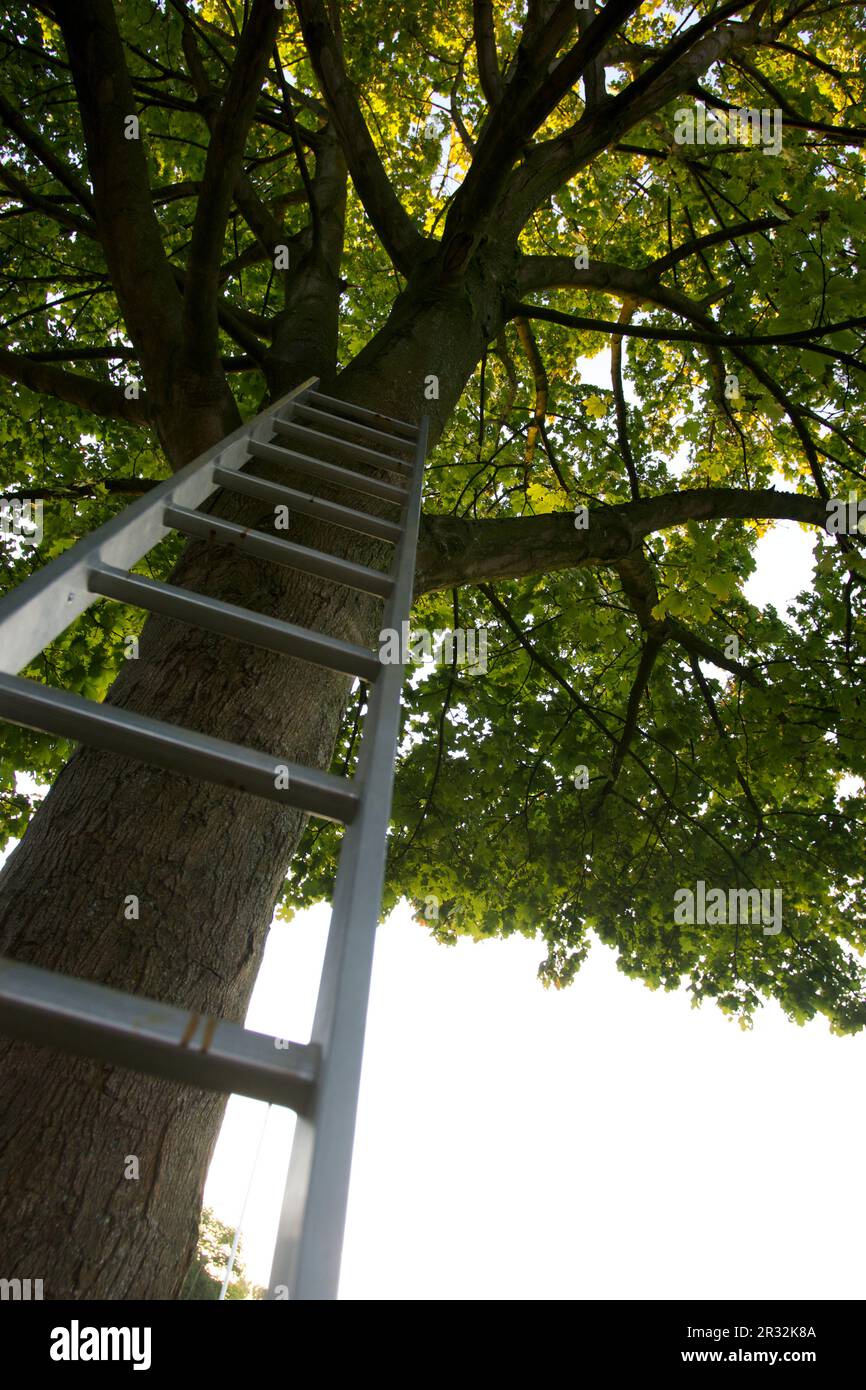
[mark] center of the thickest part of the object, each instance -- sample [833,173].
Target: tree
[440,211]
[205,1276]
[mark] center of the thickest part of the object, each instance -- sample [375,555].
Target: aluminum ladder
[320,1079]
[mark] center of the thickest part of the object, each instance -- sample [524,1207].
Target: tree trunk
[207,865]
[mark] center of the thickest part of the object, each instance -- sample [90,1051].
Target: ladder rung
[54,1010]
[361,413]
[231,621]
[328,472]
[184,751]
[307,505]
[326,418]
[300,557]
[357,452]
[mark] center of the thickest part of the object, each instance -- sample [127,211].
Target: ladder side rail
[43,606]
[309,1240]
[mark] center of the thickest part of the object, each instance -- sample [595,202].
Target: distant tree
[206,1274]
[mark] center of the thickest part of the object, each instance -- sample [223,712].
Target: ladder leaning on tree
[319,1079]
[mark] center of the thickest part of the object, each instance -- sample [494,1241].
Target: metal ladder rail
[52,1009]
[310,1235]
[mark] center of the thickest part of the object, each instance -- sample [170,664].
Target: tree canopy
[530,152]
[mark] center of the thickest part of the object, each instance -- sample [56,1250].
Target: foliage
[205,1277]
[738,770]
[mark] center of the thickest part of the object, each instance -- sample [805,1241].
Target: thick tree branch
[116,352]
[245,327]
[553,162]
[532,93]
[485,50]
[174,192]
[266,228]
[123,202]
[119,352]
[457,550]
[567,71]
[97,397]
[540,381]
[223,168]
[560,272]
[699,646]
[396,230]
